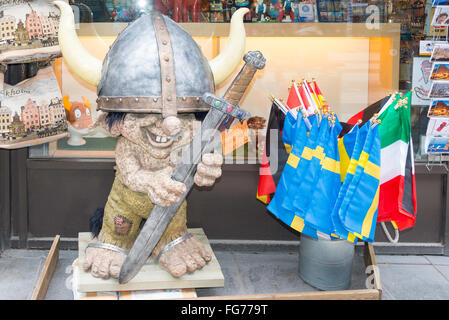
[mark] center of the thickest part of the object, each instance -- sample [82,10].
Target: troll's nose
[171,125]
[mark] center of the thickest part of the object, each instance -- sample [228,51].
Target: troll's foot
[103,263]
[186,256]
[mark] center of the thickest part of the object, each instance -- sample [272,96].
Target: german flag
[267,179]
[368,112]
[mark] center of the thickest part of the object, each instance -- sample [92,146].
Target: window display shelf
[263,29]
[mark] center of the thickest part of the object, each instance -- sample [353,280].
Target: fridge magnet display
[29,31]
[440,71]
[441,16]
[440,53]
[439,89]
[32,111]
[420,81]
[439,108]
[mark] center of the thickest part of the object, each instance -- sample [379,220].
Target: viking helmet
[154,65]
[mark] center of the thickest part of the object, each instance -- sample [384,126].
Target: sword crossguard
[225,107]
[255,59]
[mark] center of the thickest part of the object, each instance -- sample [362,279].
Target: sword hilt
[222,105]
[254,60]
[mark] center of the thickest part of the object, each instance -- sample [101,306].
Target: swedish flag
[362,203]
[350,147]
[299,160]
[281,194]
[311,170]
[288,131]
[318,214]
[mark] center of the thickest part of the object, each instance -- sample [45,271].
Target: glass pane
[358,52]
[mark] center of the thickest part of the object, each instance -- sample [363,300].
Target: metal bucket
[326,264]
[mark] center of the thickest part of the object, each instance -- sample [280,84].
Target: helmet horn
[77,58]
[226,62]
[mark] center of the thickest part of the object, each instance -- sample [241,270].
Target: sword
[222,113]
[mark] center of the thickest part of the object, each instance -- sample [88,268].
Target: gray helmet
[154,66]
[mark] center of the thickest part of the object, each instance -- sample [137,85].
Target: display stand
[151,276]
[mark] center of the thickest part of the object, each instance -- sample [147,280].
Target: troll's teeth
[158,139]
[164,139]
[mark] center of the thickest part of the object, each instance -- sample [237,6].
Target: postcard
[440,71]
[439,109]
[441,16]
[440,53]
[426,46]
[439,89]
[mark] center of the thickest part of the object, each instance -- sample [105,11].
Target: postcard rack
[439,160]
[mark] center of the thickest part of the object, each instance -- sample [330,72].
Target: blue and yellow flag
[288,131]
[350,147]
[299,161]
[361,214]
[281,194]
[311,170]
[318,214]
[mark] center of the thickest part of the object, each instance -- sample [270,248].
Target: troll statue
[149,88]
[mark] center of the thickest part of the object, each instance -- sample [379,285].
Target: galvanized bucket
[326,264]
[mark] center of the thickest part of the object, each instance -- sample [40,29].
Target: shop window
[358,52]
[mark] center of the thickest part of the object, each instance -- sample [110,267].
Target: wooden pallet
[152,276]
[374,293]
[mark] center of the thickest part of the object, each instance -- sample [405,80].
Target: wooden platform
[152,276]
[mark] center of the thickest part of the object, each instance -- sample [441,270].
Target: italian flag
[397,197]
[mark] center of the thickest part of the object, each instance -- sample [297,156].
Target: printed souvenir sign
[28,31]
[420,81]
[32,112]
[426,46]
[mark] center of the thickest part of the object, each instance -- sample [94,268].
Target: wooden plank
[40,290]
[370,261]
[365,294]
[152,276]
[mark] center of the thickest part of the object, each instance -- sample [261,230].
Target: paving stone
[423,282]
[401,259]
[445,271]
[439,260]
[18,277]
[24,253]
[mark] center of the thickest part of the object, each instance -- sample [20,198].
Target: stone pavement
[246,272]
